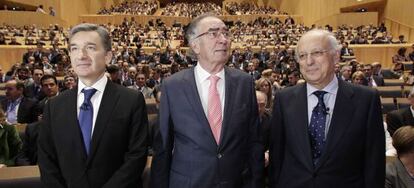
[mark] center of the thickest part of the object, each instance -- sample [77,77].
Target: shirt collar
[331,88]
[203,74]
[99,85]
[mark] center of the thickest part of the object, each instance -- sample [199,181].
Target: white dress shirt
[203,84]
[96,98]
[329,100]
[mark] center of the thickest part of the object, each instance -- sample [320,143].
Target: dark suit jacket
[28,154]
[186,153]
[354,154]
[26,112]
[118,146]
[397,176]
[398,118]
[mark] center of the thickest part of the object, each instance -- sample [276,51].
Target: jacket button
[219,155]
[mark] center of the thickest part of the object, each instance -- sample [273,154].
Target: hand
[2,166]
[266,158]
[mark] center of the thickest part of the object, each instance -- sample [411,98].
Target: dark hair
[403,140]
[103,33]
[46,77]
[112,69]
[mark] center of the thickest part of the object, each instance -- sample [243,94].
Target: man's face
[211,49]
[70,82]
[261,103]
[140,80]
[367,71]
[292,79]
[250,67]
[88,56]
[132,73]
[317,60]
[23,74]
[37,74]
[49,87]
[337,68]
[12,93]
[346,72]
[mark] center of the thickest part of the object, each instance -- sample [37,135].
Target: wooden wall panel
[21,18]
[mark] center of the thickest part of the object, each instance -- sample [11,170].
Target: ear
[108,57]
[195,46]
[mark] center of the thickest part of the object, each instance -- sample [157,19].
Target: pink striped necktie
[214,108]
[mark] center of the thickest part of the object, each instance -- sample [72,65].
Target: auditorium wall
[399,16]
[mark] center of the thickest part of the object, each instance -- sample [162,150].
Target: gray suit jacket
[397,176]
[186,153]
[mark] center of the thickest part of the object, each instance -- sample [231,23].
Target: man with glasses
[209,135]
[327,132]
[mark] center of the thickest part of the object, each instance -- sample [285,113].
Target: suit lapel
[193,98]
[299,105]
[109,99]
[228,104]
[340,121]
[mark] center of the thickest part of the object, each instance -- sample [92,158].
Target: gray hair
[333,43]
[103,33]
[192,31]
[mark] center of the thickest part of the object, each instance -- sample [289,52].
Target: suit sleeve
[256,144]
[50,173]
[14,144]
[136,156]
[23,158]
[375,147]
[163,144]
[276,145]
[393,122]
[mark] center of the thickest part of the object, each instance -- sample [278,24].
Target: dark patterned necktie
[317,127]
[86,117]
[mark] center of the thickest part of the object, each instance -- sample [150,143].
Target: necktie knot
[88,93]
[214,79]
[319,94]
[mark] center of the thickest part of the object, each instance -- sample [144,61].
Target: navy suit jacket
[186,153]
[118,151]
[398,118]
[354,154]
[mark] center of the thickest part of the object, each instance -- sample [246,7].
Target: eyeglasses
[314,54]
[213,34]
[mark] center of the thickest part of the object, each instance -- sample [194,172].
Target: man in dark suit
[326,133]
[402,117]
[96,134]
[19,109]
[209,135]
[34,89]
[371,79]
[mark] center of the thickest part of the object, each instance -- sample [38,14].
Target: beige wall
[399,18]
[354,19]
[21,18]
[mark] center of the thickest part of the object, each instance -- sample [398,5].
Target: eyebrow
[217,29]
[88,43]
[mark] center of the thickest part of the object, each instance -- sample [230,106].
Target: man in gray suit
[326,133]
[209,135]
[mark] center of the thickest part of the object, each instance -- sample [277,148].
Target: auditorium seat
[20,177]
[388,104]
[393,82]
[390,91]
[402,103]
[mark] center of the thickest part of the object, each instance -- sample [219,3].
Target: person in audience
[52,11]
[69,82]
[223,118]
[316,137]
[113,71]
[346,73]
[400,56]
[251,69]
[10,142]
[130,80]
[34,89]
[411,55]
[13,41]
[140,85]
[400,40]
[377,69]
[264,122]
[18,108]
[50,88]
[358,78]
[400,172]
[401,117]
[292,79]
[264,85]
[371,79]
[99,138]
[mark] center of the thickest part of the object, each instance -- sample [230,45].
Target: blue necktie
[317,127]
[86,117]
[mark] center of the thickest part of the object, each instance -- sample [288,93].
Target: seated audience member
[400,56]
[130,80]
[400,40]
[2,39]
[401,117]
[10,143]
[69,82]
[411,55]
[346,51]
[113,71]
[371,79]
[377,69]
[34,89]
[397,70]
[19,109]
[13,41]
[28,154]
[50,88]
[346,73]
[141,86]
[292,79]
[400,172]
[264,85]
[358,78]
[264,120]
